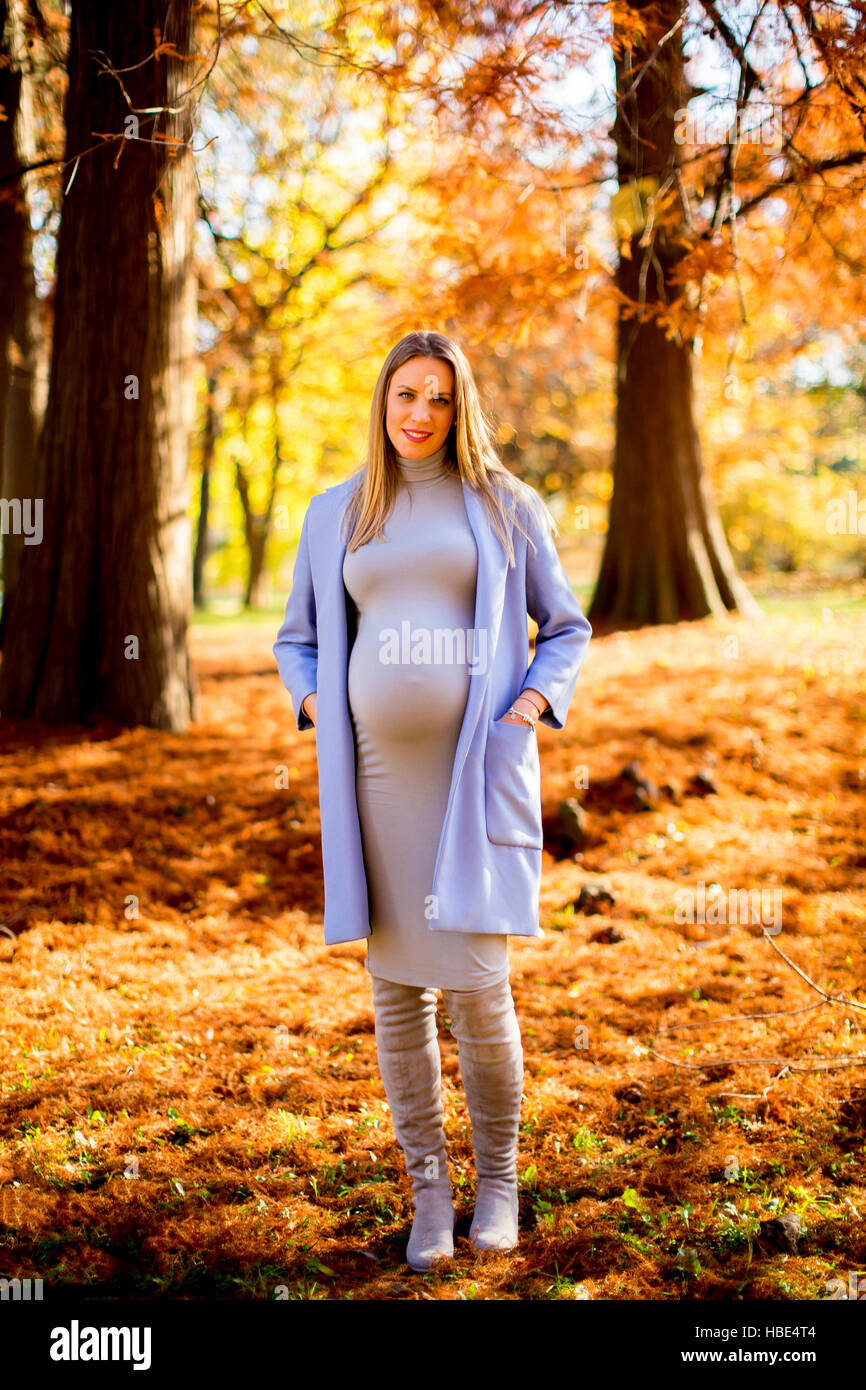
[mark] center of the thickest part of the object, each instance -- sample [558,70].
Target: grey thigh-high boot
[491,1065]
[410,1065]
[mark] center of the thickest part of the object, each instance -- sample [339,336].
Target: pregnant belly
[395,698]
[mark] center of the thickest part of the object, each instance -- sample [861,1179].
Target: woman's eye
[435,400]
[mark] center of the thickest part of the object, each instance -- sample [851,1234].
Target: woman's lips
[418,436]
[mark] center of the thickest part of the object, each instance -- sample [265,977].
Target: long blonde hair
[470,453]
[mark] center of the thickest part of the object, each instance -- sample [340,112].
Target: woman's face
[420,408]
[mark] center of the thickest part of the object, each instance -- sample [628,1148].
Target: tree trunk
[257,526]
[211,430]
[665,557]
[257,541]
[100,617]
[22,340]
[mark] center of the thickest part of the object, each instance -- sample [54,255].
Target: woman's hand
[514,719]
[529,704]
[309,706]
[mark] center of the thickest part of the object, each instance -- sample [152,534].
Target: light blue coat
[487,872]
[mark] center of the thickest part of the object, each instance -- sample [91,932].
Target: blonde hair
[470,453]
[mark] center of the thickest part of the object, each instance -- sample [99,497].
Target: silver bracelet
[527,718]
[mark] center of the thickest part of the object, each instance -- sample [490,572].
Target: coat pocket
[512,785]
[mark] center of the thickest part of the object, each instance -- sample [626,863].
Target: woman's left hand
[528,706]
[513,719]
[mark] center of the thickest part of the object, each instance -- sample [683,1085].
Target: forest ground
[190,1100]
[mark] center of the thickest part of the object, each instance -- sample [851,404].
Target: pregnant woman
[410,570]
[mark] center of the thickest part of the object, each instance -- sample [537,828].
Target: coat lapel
[327,564]
[489,600]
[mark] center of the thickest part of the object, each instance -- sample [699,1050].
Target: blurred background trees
[97,616]
[644,222]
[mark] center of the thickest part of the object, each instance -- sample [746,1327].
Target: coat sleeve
[297,646]
[563,631]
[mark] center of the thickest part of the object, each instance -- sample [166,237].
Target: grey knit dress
[407,715]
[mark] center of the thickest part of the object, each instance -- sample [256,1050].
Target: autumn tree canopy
[641,219]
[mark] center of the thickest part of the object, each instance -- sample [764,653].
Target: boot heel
[432,1238]
[494,1223]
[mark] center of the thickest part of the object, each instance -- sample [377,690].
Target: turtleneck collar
[428,469]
